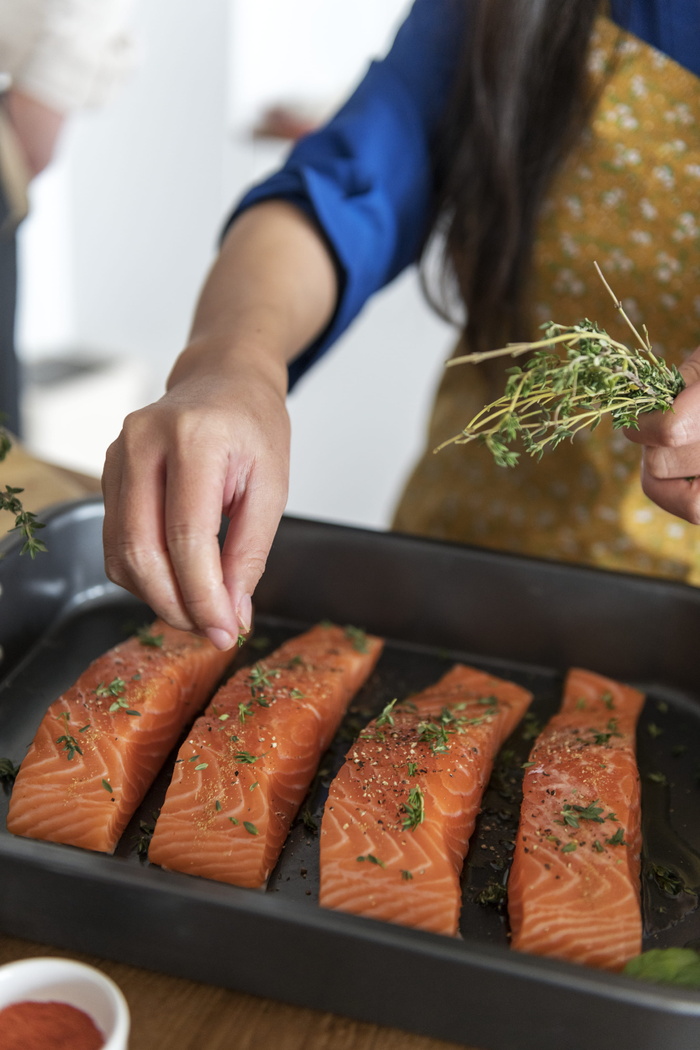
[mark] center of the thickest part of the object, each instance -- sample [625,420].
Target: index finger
[135,550]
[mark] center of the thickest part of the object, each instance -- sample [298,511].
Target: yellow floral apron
[628,196]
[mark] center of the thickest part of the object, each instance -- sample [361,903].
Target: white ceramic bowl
[66,981]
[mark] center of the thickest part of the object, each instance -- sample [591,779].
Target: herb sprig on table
[25,521]
[575,376]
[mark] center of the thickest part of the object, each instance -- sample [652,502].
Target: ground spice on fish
[48,1026]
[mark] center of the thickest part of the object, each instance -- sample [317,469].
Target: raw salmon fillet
[246,766]
[573,890]
[402,808]
[100,744]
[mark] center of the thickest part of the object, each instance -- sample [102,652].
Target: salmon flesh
[100,745]
[401,811]
[574,886]
[248,761]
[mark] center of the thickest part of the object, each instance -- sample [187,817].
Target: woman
[534,138]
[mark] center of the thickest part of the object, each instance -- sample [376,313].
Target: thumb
[681,424]
[690,369]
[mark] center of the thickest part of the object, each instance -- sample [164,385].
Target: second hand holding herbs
[555,395]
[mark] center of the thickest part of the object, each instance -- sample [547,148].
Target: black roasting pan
[435,603]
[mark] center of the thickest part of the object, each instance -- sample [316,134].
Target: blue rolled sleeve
[365,177]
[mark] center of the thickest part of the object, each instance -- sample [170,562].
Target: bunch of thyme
[575,376]
[25,522]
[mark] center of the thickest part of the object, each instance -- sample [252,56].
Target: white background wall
[124,226]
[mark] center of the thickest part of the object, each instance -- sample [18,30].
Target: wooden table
[170,1013]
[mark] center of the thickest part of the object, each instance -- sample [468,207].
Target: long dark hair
[520,98]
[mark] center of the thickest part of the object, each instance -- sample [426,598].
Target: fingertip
[220,638]
[244,613]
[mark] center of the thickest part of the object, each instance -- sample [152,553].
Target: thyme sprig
[245,758]
[143,840]
[245,710]
[117,687]
[25,522]
[576,375]
[357,637]
[146,637]
[572,814]
[260,679]
[70,745]
[372,859]
[603,738]
[494,893]
[414,807]
[436,730]
[8,771]
[386,717]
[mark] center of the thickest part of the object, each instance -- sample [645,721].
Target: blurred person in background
[56,57]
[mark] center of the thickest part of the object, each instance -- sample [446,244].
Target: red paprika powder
[48,1026]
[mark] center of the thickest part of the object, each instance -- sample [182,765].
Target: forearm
[218,440]
[271,291]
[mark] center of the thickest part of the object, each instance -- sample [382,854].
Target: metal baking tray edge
[524,611]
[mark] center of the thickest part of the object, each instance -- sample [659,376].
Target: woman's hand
[671,452]
[218,441]
[208,447]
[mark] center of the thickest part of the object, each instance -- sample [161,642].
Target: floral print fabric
[627,197]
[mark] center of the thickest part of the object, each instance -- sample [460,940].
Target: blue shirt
[366,176]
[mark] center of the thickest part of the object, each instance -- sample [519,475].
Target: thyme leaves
[493,894]
[143,840]
[574,377]
[117,687]
[358,638]
[618,839]
[436,732]
[26,523]
[123,705]
[245,710]
[70,745]
[414,807]
[611,730]
[571,815]
[8,771]
[386,717]
[245,758]
[668,880]
[372,859]
[146,637]
[260,679]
